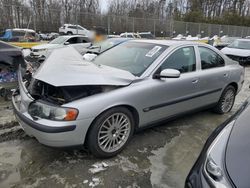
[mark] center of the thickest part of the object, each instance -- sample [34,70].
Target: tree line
[49,15]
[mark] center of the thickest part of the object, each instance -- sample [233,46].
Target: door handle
[195,81]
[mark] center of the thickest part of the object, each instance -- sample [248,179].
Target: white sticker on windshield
[152,52]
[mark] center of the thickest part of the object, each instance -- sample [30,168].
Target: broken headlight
[51,112]
[214,168]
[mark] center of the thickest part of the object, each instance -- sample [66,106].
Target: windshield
[240,44]
[58,40]
[134,57]
[104,45]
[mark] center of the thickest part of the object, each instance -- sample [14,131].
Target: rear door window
[72,27]
[210,59]
[79,28]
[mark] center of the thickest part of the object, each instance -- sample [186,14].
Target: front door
[172,96]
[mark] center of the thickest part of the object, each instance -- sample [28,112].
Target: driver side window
[72,40]
[182,59]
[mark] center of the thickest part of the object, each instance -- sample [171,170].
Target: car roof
[71,25]
[244,40]
[145,32]
[119,39]
[128,33]
[24,30]
[167,42]
[70,36]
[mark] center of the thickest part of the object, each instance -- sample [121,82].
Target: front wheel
[111,132]
[226,101]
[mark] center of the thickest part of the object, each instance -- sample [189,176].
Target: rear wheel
[69,33]
[111,132]
[226,101]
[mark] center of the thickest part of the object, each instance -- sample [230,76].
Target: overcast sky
[104,5]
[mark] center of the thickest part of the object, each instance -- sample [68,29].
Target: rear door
[213,75]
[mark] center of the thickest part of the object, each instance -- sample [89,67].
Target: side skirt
[173,117]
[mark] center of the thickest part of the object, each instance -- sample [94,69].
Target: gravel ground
[157,157]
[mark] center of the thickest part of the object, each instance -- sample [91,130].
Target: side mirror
[66,43]
[168,73]
[89,57]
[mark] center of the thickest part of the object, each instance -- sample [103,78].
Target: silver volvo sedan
[68,101]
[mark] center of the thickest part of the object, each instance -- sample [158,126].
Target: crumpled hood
[45,46]
[66,67]
[236,52]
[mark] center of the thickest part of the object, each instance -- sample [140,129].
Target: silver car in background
[101,104]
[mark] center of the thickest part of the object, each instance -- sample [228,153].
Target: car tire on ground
[110,132]
[226,101]
[69,33]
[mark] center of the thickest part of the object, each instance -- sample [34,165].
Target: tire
[103,133]
[226,101]
[69,33]
[2,92]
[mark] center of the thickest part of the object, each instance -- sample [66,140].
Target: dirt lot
[157,157]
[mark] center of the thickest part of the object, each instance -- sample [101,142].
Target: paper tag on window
[152,52]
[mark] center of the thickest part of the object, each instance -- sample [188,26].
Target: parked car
[102,103]
[239,50]
[146,35]
[44,49]
[225,41]
[19,35]
[69,29]
[43,36]
[130,35]
[52,36]
[224,160]
[179,37]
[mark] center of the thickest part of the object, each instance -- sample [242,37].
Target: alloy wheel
[114,132]
[228,101]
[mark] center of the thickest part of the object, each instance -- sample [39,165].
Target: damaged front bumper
[48,132]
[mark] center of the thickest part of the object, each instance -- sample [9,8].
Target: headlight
[57,113]
[214,168]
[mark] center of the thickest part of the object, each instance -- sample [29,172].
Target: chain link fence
[188,28]
[49,20]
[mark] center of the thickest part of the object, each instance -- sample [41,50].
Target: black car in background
[225,159]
